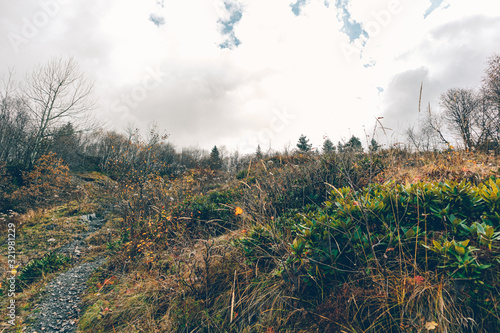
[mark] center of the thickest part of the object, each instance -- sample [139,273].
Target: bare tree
[433,125]
[486,124]
[14,130]
[14,123]
[427,135]
[193,157]
[491,103]
[460,106]
[491,82]
[106,147]
[55,93]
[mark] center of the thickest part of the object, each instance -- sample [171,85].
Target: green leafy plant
[35,269]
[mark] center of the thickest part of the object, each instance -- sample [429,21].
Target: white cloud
[285,63]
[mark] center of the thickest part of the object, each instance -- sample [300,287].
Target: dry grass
[40,231]
[201,285]
[428,167]
[156,296]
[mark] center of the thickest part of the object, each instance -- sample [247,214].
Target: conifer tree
[354,144]
[215,159]
[374,146]
[258,153]
[328,147]
[66,144]
[303,144]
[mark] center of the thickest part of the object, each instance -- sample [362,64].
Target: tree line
[470,117]
[49,112]
[32,113]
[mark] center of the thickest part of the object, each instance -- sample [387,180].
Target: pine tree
[303,144]
[328,147]
[374,146]
[66,144]
[215,159]
[258,153]
[354,145]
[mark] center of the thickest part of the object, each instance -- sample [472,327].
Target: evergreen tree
[215,159]
[258,153]
[340,147]
[303,144]
[374,146]
[354,144]
[66,144]
[328,147]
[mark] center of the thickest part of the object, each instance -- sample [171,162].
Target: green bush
[390,216]
[38,268]
[208,207]
[448,229]
[242,174]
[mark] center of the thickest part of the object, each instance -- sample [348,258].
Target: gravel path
[77,248]
[59,309]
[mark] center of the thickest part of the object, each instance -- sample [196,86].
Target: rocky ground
[59,307]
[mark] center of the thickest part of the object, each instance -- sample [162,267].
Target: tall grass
[342,242]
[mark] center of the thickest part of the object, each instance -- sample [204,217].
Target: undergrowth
[349,242]
[392,241]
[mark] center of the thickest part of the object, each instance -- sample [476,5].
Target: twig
[232,297]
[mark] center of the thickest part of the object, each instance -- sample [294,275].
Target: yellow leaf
[410,233]
[431,325]
[437,245]
[489,231]
[13,272]
[238,211]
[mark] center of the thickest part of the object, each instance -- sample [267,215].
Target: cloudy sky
[245,72]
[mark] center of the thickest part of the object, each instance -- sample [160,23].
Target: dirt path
[59,308]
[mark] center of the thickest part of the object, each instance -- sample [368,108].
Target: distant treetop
[303,144]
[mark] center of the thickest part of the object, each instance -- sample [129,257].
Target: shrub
[48,183]
[242,174]
[448,230]
[38,268]
[5,188]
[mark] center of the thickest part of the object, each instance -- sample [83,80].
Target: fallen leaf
[431,325]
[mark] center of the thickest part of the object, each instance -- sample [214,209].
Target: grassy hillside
[348,242]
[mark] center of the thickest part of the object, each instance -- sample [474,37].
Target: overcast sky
[245,72]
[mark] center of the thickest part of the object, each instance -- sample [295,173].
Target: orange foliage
[49,182]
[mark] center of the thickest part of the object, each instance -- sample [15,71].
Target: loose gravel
[59,308]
